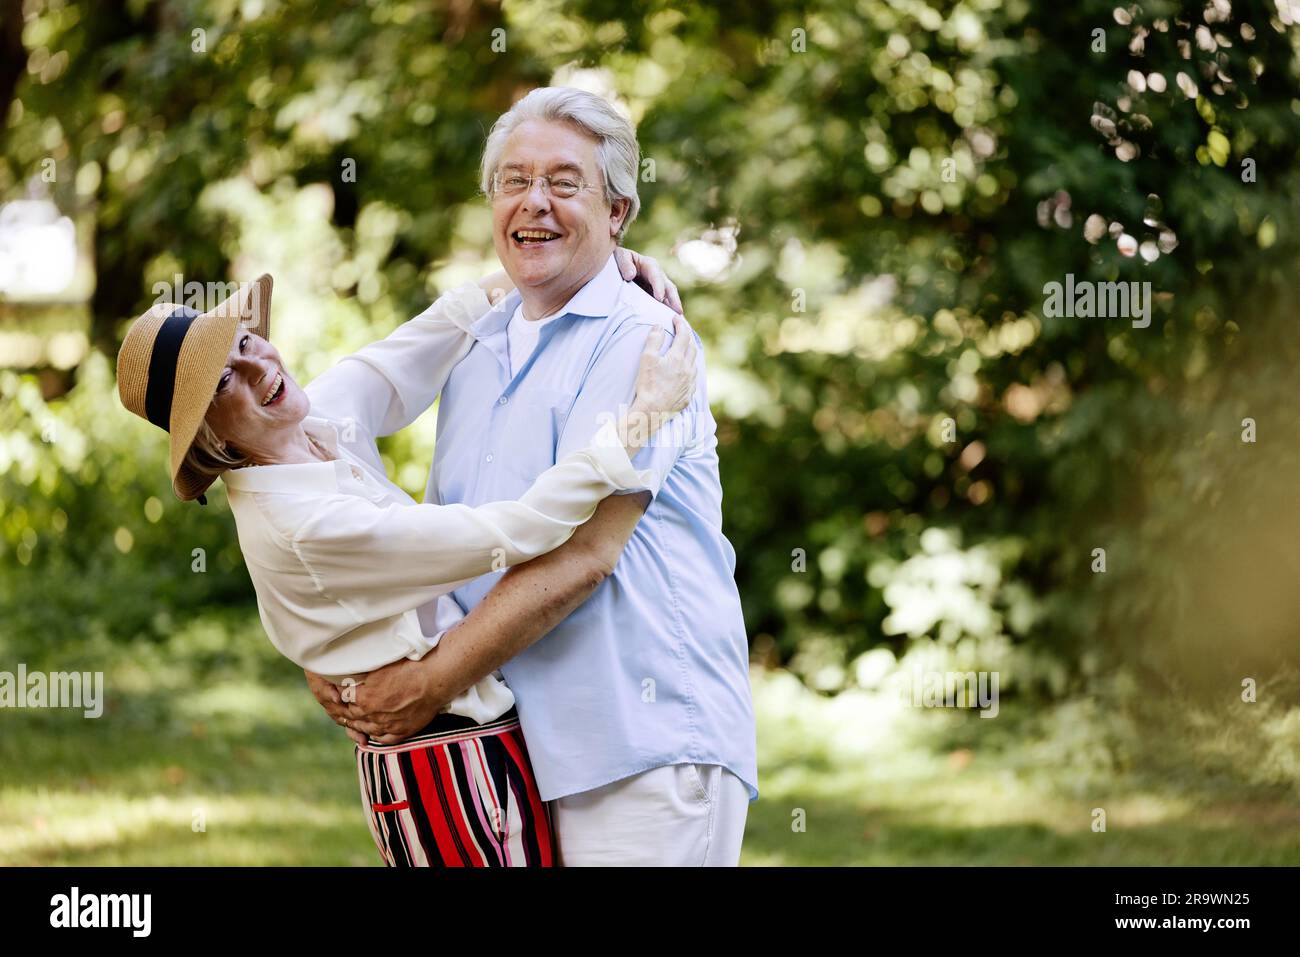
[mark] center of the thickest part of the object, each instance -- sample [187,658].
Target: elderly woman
[351,574]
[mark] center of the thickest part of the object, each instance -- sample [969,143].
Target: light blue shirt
[653,669]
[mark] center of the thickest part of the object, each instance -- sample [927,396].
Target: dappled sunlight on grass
[874,781]
[244,706]
[223,790]
[211,724]
[111,827]
[210,752]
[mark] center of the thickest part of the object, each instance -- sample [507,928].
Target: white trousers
[678,815]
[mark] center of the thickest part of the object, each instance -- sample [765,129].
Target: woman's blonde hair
[209,456]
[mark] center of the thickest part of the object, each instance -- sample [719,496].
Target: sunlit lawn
[883,784]
[212,752]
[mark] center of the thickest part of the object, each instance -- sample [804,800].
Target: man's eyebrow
[555,168]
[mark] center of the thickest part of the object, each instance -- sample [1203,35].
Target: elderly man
[636,707]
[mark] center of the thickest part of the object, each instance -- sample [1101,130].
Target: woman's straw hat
[170,363]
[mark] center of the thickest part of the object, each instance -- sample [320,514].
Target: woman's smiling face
[256,397]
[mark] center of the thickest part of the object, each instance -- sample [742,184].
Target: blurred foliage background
[862,201]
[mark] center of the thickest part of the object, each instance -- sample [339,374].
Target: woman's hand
[497,285]
[646,272]
[664,385]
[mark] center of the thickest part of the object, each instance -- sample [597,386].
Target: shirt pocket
[536,420]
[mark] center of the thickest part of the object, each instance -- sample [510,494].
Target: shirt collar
[595,300]
[300,477]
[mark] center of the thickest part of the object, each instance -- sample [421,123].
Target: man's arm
[398,700]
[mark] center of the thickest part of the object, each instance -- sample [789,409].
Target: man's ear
[617,213]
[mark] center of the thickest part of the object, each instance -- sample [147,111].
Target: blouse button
[502,400]
[489,457]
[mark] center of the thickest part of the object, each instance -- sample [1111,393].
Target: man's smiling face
[550,245]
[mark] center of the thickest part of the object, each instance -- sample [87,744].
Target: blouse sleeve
[381,560]
[387,385]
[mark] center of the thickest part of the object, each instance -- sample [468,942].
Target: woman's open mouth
[276,392]
[533,237]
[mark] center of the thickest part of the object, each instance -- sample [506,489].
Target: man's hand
[398,700]
[389,704]
[330,697]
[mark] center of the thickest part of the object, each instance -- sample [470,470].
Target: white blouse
[351,573]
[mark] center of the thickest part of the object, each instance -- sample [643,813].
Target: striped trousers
[459,794]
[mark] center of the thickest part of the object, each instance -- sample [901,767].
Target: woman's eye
[567,185]
[225,381]
[243,342]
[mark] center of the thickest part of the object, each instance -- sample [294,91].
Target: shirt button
[489,457]
[356,473]
[502,400]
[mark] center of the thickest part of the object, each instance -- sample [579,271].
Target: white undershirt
[522,335]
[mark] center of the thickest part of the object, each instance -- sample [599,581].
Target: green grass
[214,728]
[880,783]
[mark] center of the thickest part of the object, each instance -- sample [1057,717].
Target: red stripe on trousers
[433,811]
[457,809]
[540,822]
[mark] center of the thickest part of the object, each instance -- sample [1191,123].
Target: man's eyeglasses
[565,185]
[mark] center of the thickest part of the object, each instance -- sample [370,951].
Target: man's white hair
[617,150]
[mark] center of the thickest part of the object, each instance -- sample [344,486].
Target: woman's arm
[385,560]
[398,700]
[387,385]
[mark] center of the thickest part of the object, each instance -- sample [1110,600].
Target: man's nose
[538,198]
